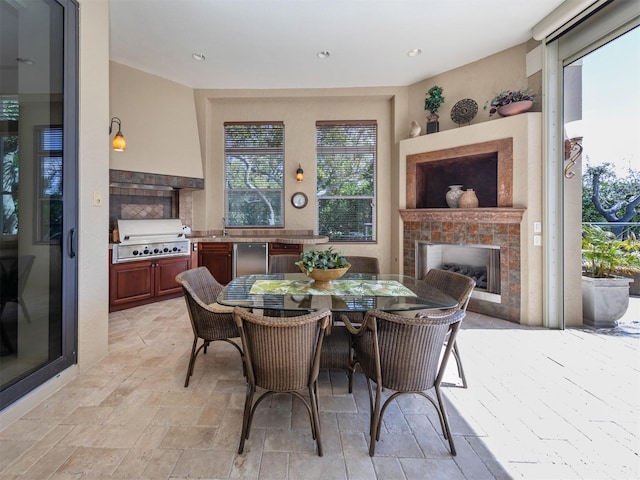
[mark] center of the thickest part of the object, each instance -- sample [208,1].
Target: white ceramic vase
[453,195]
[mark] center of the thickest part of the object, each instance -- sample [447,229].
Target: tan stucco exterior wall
[158,121]
[299,110]
[479,81]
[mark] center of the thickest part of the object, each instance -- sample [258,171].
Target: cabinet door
[131,282]
[217,257]
[165,273]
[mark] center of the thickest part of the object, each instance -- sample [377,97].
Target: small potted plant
[511,102]
[323,266]
[605,294]
[432,103]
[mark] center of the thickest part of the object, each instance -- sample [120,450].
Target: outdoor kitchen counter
[253,238]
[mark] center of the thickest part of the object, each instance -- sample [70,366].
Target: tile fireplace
[501,160]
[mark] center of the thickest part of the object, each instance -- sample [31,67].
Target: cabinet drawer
[284,248]
[215,247]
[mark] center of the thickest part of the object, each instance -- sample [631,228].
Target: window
[9,157]
[49,184]
[253,163]
[346,183]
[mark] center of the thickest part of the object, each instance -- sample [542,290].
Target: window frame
[41,155]
[350,150]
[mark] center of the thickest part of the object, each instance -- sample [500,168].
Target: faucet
[224,227]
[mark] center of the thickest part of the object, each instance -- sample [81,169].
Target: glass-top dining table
[354,292]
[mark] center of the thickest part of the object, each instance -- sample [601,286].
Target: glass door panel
[37,178]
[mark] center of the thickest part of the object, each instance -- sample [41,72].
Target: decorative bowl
[322,278]
[515,108]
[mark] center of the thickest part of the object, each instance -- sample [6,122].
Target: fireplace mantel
[464,215]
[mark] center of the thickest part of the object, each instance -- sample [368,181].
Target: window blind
[254,161]
[346,155]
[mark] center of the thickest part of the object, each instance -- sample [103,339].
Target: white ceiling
[273,43]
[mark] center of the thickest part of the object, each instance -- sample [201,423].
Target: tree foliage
[609,198]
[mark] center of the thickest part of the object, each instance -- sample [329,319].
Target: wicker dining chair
[209,321]
[459,287]
[284,264]
[363,264]
[282,355]
[404,354]
[337,352]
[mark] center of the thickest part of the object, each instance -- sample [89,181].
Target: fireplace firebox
[480,262]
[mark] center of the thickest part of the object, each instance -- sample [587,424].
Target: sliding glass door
[588,69]
[38,151]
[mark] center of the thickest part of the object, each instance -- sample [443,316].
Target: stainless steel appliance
[152,238]
[249,259]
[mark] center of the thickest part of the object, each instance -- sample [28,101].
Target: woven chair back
[364,265]
[454,284]
[201,290]
[284,264]
[405,352]
[200,285]
[282,353]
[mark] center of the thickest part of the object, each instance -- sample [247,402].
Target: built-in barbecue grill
[153,238]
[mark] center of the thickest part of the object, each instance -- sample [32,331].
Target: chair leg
[375,422]
[445,420]
[191,362]
[456,355]
[248,403]
[315,415]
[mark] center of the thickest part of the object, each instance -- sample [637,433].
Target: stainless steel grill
[153,238]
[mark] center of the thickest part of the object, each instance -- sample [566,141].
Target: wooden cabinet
[285,248]
[218,258]
[137,283]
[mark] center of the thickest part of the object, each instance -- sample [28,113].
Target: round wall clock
[299,200]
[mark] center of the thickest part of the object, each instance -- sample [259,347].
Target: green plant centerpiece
[323,266]
[504,102]
[432,103]
[605,294]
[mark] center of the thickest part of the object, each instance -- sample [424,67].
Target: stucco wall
[158,122]
[299,114]
[93,277]
[479,80]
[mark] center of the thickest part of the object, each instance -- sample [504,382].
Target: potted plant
[605,294]
[323,266]
[432,103]
[511,102]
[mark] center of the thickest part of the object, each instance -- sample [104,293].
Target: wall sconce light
[119,144]
[299,174]
[572,146]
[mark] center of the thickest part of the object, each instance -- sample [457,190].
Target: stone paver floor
[541,404]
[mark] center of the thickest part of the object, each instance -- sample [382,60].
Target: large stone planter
[604,300]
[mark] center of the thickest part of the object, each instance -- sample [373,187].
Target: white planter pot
[604,300]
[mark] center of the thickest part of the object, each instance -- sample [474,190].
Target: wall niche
[479,172]
[486,167]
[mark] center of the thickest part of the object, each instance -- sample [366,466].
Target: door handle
[72,239]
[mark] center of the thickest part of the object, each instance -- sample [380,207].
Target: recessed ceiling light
[323,54]
[414,53]
[26,61]
[199,57]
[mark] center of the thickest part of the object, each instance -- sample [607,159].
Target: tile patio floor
[541,404]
